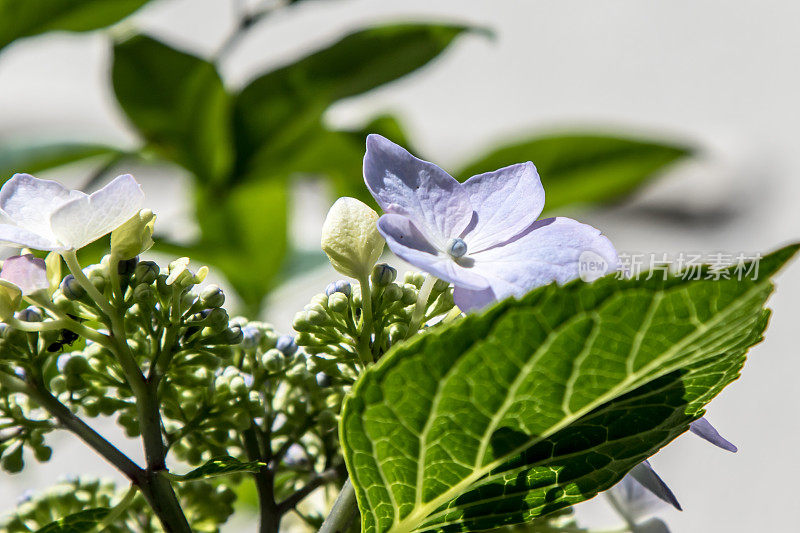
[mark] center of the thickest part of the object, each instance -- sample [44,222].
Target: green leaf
[278,108]
[22,18]
[219,466]
[178,103]
[539,403]
[583,168]
[80,522]
[37,157]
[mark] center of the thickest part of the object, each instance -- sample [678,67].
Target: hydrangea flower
[44,215]
[482,235]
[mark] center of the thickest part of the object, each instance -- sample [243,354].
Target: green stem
[343,511]
[365,333]
[155,487]
[422,303]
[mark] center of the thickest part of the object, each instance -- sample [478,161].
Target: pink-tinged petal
[20,236]
[644,474]
[703,429]
[549,250]
[506,202]
[405,185]
[86,219]
[28,202]
[27,272]
[412,246]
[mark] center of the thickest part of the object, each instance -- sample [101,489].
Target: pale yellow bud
[134,236]
[10,297]
[351,239]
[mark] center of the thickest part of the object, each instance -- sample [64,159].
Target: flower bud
[10,297]
[217,319]
[338,302]
[323,380]
[383,274]
[397,332]
[273,360]
[127,267]
[350,237]
[286,344]
[343,286]
[144,294]
[30,314]
[212,296]
[392,293]
[252,337]
[232,335]
[301,322]
[134,236]
[409,294]
[145,272]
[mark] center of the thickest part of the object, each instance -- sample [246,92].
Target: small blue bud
[383,275]
[323,380]
[341,285]
[456,248]
[71,289]
[30,314]
[127,267]
[252,336]
[286,344]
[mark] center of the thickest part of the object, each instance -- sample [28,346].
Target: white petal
[20,236]
[506,201]
[86,219]
[29,201]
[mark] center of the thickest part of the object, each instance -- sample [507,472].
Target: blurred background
[671,126]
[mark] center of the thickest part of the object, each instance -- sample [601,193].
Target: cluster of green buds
[23,425]
[329,325]
[207,504]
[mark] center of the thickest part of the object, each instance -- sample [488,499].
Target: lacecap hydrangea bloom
[45,215]
[482,235]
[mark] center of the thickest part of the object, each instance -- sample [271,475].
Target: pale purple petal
[405,185]
[86,219]
[471,299]
[703,429]
[550,250]
[409,244]
[27,272]
[644,474]
[506,202]
[28,202]
[20,236]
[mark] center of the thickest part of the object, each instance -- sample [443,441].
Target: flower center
[456,248]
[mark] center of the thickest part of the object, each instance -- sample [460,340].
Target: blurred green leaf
[178,103]
[219,466]
[22,18]
[584,169]
[37,157]
[244,235]
[80,522]
[278,108]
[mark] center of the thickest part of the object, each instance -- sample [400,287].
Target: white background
[720,74]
